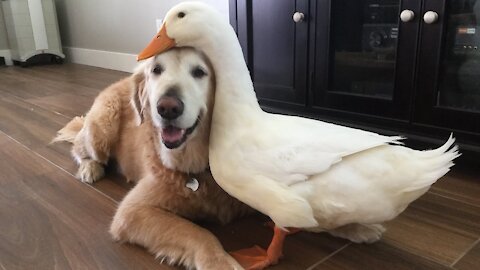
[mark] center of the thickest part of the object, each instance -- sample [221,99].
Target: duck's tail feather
[437,163]
[70,130]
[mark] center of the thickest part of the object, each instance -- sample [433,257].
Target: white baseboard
[7,56]
[104,59]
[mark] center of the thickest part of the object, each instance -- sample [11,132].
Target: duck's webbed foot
[256,258]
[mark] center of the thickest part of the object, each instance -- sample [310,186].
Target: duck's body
[310,174]
[300,172]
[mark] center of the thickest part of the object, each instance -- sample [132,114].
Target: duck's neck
[234,89]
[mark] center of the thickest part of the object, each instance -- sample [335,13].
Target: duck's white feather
[291,149]
[376,185]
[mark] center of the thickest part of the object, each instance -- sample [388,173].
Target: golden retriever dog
[155,124]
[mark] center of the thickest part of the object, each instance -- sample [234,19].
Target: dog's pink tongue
[172,134]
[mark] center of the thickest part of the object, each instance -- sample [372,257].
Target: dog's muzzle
[173,137]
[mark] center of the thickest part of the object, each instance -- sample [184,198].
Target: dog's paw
[90,171]
[359,233]
[117,230]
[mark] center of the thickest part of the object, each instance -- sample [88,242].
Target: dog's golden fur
[156,213]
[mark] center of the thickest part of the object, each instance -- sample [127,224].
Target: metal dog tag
[193,184]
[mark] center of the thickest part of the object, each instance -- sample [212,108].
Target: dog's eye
[181,15]
[198,73]
[157,70]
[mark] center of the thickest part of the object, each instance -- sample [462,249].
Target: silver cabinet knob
[298,17]
[407,15]
[430,17]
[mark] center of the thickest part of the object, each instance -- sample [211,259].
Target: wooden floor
[50,220]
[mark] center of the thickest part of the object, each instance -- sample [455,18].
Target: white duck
[302,173]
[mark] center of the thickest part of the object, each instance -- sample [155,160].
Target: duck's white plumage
[300,172]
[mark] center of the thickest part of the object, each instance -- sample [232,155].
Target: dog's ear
[139,94]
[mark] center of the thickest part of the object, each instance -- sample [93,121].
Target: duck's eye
[181,14]
[157,70]
[198,72]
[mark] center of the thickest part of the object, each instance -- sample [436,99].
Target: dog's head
[175,88]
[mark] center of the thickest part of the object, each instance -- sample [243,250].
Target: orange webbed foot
[256,258]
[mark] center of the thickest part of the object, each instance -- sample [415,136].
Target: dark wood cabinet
[275,49]
[360,63]
[369,55]
[448,84]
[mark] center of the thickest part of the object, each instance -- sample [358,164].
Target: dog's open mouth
[173,137]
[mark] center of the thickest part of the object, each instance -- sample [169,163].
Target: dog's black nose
[170,107]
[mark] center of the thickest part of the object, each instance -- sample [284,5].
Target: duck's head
[185,25]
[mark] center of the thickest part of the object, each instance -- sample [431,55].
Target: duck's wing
[296,148]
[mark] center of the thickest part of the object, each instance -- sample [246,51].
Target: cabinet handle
[407,15]
[298,17]
[430,17]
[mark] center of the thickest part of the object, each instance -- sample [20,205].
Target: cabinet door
[365,56]
[448,93]
[275,47]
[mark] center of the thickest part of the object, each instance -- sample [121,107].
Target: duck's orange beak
[160,43]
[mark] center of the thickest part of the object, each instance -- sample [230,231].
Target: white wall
[90,29]
[3,32]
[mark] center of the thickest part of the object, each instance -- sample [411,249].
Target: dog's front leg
[141,220]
